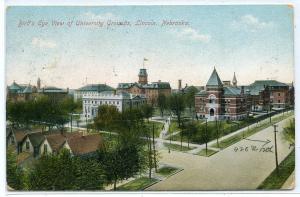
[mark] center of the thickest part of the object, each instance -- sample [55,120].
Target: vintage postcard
[150,98]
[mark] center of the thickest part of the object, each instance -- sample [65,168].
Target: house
[32,143]
[121,101]
[15,137]
[77,143]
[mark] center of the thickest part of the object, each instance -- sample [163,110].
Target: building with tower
[223,100]
[150,90]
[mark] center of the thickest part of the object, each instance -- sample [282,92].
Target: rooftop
[214,79]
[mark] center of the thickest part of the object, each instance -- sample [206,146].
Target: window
[278,94]
[27,145]
[212,98]
[45,148]
[278,101]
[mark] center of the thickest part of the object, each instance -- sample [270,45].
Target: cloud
[192,34]
[42,43]
[252,23]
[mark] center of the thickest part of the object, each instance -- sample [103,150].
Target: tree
[177,106]
[189,130]
[107,118]
[162,103]
[120,161]
[147,111]
[15,174]
[289,131]
[65,172]
[190,97]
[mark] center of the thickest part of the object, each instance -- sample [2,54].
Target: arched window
[212,99]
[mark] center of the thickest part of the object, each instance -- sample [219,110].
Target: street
[226,170]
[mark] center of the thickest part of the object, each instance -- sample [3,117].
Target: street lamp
[276,154]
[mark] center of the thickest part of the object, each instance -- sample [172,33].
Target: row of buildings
[217,100]
[30,144]
[226,100]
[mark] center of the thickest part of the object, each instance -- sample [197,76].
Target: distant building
[280,96]
[122,100]
[24,92]
[150,90]
[91,89]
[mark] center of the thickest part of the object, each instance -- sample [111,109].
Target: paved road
[226,170]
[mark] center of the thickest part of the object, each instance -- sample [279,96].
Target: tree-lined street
[226,170]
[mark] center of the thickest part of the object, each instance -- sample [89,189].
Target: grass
[177,147]
[236,138]
[137,184]
[210,152]
[274,180]
[166,170]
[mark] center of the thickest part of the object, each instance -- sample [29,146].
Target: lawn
[235,138]
[210,152]
[274,180]
[198,138]
[177,147]
[167,170]
[138,184]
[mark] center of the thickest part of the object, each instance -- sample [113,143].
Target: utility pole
[71,122]
[276,154]
[206,136]
[217,127]
[270,112]
[154,154]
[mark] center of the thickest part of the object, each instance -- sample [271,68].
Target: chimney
[179,84]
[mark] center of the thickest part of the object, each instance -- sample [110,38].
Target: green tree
[147,111]
[120,161]
[15,174]
[190,97]
[162,103]
[189,130]
[107,118]
[64,172]
[177,105]
[289,131]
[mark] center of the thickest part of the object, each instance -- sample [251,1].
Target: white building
[121,100]
[91,89]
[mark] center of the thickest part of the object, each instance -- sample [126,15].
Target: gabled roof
[36,139]
[129,85]
[57,140]
[214,79]
[96,88]
[81,145]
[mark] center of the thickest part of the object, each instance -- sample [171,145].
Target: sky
[255,42]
